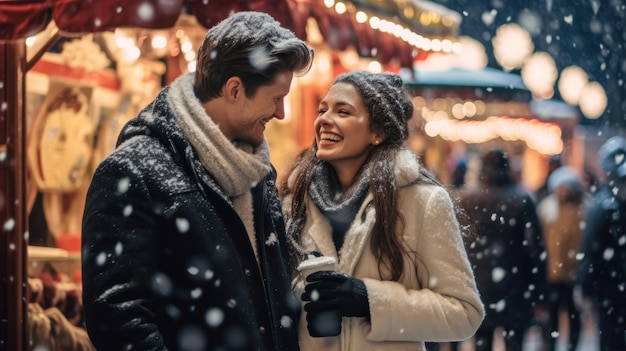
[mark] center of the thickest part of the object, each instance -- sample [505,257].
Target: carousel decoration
[60,147]
[59,156]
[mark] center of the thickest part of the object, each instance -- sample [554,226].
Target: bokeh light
[512,45]
[473,55]
[593,100]
[572,83]
[539,75]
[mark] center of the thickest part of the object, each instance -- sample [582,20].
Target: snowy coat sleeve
[445,305]
[119,259]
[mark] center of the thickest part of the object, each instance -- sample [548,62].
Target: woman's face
[342,128]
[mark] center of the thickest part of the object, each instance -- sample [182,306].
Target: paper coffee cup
[325,323]
[316,264]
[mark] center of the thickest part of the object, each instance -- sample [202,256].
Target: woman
[359,196]
[561,213]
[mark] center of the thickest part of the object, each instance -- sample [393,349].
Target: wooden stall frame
[13,196]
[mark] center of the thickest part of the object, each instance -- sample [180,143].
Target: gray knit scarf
[237,167]
[339,207]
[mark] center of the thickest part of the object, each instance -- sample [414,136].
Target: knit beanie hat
[387,102]
[564,176]
[496,169]
[612,155]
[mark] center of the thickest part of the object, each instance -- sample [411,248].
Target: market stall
[45,83]
[465,111]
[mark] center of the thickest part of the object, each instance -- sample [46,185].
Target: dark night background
[594,40]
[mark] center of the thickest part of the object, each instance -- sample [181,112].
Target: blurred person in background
[562,214]
[360,196]
[183,241]
[458,173]
[602,270]
[554,162]
[505,252]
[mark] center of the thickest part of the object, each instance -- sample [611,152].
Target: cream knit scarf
[237,167]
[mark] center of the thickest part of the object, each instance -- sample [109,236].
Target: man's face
[248,124]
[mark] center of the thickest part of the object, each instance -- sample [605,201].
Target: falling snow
[145,11]
[182,224]
[9,224]
[214,317]
[271,240]
[608,253]
[286,322]
[127,211]
[118,249]
[498,274]
[123,185]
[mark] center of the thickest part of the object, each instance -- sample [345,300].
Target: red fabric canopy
[22,18]
[19,19]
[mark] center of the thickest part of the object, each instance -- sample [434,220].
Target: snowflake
[271,240]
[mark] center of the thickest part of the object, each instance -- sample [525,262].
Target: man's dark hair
[252,46]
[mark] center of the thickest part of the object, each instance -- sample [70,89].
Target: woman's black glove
[334,291]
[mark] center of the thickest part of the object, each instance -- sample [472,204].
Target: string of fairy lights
[420,17]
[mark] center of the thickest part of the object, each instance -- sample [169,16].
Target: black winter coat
[602,270]
[167,262]
[506,252]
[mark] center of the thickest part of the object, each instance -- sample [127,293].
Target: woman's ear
[379,137]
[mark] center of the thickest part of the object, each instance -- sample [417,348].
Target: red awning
[23,18]
[19,19]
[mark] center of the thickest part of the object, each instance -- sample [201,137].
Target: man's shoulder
[139,148]
[144,160]
[604,199]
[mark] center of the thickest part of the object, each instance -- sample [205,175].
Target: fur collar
[318,232]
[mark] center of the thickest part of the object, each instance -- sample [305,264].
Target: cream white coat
[436,298]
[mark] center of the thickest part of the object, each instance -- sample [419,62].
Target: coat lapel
[357,237]
[320,232]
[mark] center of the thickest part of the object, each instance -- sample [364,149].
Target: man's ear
[233,89]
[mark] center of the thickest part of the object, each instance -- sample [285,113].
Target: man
[602,271]
[183,238]
[504,246]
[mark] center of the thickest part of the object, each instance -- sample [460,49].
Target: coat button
[262,330]
[247,272]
